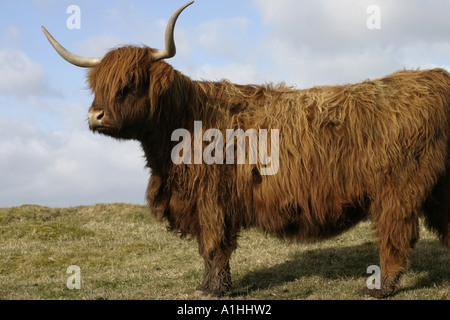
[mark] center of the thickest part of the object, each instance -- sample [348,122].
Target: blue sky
[49,157]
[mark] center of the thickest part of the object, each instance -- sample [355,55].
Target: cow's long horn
[170,49]
[79,61]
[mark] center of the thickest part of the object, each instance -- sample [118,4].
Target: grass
[124,254]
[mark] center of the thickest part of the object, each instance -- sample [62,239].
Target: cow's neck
[177,107]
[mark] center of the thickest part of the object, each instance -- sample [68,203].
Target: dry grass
[124,254]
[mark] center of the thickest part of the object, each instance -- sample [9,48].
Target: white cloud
[122,10]
[327,42]
[425,54]
[98,46]
[67,168]
[218,35]
[235,72]
[13,32]
[22,77]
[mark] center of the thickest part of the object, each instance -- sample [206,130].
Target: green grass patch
[124,254]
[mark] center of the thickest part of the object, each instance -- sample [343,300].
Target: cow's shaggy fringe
[376,149]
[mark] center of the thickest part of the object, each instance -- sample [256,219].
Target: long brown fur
[376,149]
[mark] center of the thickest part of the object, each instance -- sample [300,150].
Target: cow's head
[126,82]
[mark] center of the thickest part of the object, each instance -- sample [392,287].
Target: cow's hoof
[376,293]
[203,295]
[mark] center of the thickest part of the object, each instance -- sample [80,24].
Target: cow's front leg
[217,276]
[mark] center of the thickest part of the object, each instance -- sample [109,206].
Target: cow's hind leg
[437,209]
[397,229]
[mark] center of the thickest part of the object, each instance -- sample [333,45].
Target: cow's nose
[95,119]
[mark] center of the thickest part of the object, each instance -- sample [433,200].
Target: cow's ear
[161,77]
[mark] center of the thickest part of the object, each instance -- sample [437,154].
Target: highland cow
[377,149]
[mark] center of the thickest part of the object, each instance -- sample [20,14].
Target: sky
[49,157]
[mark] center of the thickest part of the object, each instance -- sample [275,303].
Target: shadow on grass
[348,262]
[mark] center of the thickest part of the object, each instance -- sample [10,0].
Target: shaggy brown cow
[376,149]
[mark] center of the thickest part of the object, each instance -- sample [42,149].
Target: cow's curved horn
[79,61]
[170,50]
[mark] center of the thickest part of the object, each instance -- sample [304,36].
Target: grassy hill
[123,253]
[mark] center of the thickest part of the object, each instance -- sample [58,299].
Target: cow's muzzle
[95,119]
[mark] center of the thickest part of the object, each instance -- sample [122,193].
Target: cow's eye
[125,91]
